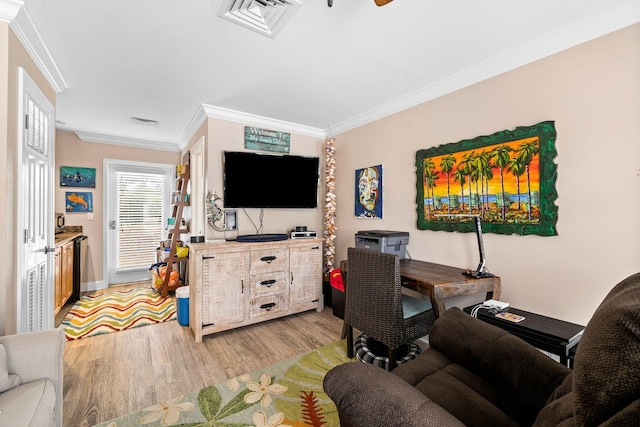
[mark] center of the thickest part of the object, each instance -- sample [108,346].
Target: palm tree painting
[507,179]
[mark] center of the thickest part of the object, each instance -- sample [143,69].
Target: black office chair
[376,306]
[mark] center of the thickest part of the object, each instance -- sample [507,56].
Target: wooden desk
[440,281]
[443,281]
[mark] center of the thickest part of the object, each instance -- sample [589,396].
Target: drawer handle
[268,283]
[268,259]
[268,306]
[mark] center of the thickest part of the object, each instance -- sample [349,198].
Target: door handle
[49,249]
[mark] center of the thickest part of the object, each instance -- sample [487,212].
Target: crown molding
[194,124]
[127,142]
[210,111]
[9,9]
[30,38]
[624,14]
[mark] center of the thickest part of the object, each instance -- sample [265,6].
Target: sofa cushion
[607,364]
[468,397]
[519,389]
[558,412]
[30,405]
[369,396]
[7,380]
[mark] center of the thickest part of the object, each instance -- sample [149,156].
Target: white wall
[592,92]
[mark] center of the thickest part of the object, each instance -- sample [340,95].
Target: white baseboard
[93,286]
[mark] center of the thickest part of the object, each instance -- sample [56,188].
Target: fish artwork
[77,200]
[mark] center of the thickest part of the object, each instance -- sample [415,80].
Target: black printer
[389,242]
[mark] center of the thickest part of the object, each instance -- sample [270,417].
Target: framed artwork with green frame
[507,179]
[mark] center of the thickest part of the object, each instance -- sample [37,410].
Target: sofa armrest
[369,396]
[37,355]
[502,359]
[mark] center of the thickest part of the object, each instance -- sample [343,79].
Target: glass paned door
[137,207]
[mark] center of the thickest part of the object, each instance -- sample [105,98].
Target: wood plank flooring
[107,376]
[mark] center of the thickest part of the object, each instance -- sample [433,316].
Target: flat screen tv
[254,180]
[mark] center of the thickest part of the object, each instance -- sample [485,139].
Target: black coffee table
[546,333]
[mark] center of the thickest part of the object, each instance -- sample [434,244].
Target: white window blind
[140,218]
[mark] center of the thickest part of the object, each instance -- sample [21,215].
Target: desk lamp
[482,270]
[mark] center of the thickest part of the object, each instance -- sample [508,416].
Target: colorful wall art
[78,201]
[72,176]
[507,179]
[368,202]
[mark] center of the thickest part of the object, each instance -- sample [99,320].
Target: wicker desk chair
[376,306]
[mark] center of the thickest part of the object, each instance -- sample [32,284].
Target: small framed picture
[72,176]
[78,201]
[368,200]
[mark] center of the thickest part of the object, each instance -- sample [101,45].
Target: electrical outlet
[231,219]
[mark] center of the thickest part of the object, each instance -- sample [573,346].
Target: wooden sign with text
[266,140]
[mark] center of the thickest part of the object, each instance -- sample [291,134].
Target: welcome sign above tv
[270,181]
[266,140]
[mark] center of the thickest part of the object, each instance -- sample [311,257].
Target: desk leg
[495,294]
[437,301]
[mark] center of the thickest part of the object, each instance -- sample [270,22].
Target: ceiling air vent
[144,122]
[266,17]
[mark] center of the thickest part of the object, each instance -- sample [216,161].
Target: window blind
[140,218]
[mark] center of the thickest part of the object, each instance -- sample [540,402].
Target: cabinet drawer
[268,283]
[269,260]
[268,305]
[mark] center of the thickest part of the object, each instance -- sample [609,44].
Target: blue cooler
[182,302]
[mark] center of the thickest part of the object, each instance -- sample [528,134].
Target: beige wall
[592,91]
[71,151]
[229,136]
[12,56]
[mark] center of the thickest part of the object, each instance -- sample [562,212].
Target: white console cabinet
[235,284]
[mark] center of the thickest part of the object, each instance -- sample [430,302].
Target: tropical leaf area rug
[288,393]
[115,311]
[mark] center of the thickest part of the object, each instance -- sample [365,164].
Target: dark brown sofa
[478,375]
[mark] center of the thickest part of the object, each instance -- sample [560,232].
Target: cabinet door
[305,283]
[66,274]
[224,288]
[57,300]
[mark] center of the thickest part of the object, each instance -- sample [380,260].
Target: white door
[36,209]
[137,198]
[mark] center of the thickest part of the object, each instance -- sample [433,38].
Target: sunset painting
[497,178]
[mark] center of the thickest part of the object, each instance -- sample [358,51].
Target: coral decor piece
[330,204]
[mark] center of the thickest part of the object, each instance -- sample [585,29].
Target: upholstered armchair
[478,375]
[33,395]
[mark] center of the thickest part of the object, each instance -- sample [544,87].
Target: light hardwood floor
[107,376]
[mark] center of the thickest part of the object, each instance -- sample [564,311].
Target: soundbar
[261,237]
[303,234]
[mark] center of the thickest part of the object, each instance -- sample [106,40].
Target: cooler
[182,305]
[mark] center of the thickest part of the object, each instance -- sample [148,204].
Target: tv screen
[254,180]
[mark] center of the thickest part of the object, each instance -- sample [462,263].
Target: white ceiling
[328,69]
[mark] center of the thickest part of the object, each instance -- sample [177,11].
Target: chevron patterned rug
[288,393]
[115,311]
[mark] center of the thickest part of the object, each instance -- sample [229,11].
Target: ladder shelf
[182,183]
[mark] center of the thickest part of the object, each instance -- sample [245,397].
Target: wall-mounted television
[253,180]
